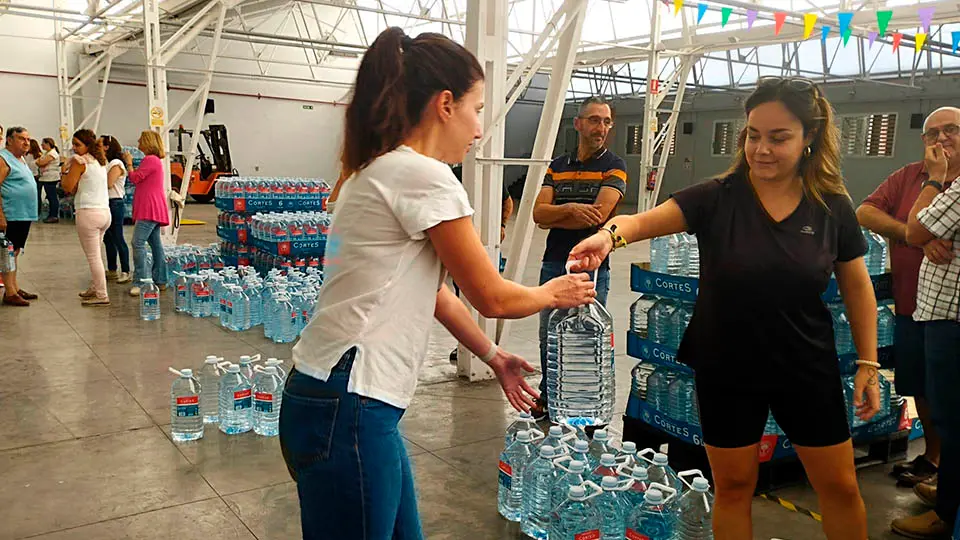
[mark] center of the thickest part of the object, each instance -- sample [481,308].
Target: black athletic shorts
[17,232]
[811,413]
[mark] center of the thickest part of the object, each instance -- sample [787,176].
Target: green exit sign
[308,107]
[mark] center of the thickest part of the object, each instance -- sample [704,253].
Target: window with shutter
[725,133]
[880,133]
[634,139]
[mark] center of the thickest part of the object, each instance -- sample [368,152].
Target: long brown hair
[51,143]
[93,144]
[35,149]
[397,78]
[820,170]
[112,147]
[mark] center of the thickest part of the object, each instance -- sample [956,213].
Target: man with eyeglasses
[933,221]
[580,193]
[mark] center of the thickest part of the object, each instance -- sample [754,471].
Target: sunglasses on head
[799,84]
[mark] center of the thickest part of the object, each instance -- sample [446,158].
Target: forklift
[206,170]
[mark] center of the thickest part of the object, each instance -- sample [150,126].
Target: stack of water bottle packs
[236,397]
[271,194]
[668,387]
[564,486]
[128,186]
[282,301]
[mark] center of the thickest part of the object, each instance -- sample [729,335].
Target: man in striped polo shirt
[580,193]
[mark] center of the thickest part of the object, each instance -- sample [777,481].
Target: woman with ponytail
[403,222]
[87,178]
[771,230]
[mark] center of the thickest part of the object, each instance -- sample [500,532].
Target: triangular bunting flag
[844,22]
[751,18]
[872,36]
[779,17]
[809,20]
[897,36]
[725,16]
[956,40]
[824,32]
[883,19]
[919,40]
[846,37]
[701,10]
[677,4]
[926,17]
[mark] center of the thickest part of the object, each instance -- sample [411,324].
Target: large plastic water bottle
[267,399]
[201,297]
[692,260]
[652,519]
[639,314]
[577,518]
[679,320]
[682,396]
[247,365]
[666,254]
[523,422]
[511,468]
[186,424]
[659,470]
[236,402]
[554,439]
[612,505]
[210,390]
[581,383]
[876,257]
[641,482]
[277,364]
[581,452]
[149,300]
[639,379]
[843,337]
[658,321]
[627,455]
[572,474]
[600,445]
[695,511]
[658,384]
[182,299]
[538,479]
[885,326]
[607,466]
[8,259]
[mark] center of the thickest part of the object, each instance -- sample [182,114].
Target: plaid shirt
[938,292]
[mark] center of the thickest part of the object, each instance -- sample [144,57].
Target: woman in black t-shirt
[771,230]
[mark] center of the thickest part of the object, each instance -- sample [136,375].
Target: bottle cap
[270,370]
[147,280]
[639,473]
[523,436]
[653,496]
[233,368]
[546,451]
[700,484]
[577,466]
[577,492]
[581,446]
[600,435]
[211,360]
[660,459]
[556,431]
[629,447]
[186,373]
[608,460]
[608,482]
[245,359]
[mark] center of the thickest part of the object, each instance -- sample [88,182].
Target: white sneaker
[124,277]
[135,291]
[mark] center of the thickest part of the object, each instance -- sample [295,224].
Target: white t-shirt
[92,189]
[51,171]
[117,191]
[382,275]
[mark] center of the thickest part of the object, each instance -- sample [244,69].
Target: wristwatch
[934,183]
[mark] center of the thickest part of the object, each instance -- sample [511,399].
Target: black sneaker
[919,465]
[922,472]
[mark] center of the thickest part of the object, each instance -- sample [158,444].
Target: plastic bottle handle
[643,455]
[175,371]
[692,472]
[570,263]
[664,489]
[597,490]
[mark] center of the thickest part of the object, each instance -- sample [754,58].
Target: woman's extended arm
[857,292]
[75,170]
[115,173]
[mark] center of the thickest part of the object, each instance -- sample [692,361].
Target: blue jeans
[114,241]
[942,344]
[50,188]
[548,271]
[347,457]
[148,232]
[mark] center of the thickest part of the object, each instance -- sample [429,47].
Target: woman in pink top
[149,211]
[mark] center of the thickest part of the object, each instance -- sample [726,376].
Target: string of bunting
[925,14]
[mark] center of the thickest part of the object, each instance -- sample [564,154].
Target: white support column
[560,72]
[650,115]
[156,81]
[487,40]
[63,84]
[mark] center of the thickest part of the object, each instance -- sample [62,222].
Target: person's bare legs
[930,435]
[833,475]
[735,472]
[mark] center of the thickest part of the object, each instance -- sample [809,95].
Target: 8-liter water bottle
[236,402]
[523,422]
[659,470]
[658,384]
[606,466]
[149,300]
[210,390]
[641,482]
[639,317]
[511,467]
[277,364]
[658,321]
[599,445]
[639,378]
[885,326]
[8,259]
[538,479]
[247,365]
[651,519]
[267,398]
[573,473]
[627,454]
[182,299]
[876,257]
[186,424]
[201,297]
[577,518]
[678,322]
[695,514]
[580,451]
[681,397]
[666,254]
[554,439]
[691,261]
[581,383]
[843,337]
[612,507]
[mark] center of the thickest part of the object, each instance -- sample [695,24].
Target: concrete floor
[84,409]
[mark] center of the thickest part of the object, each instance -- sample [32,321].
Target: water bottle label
[188,406]
[283,248]
[588,535]
[242,399]
[634,535]
[223,306]
[239,205]
[506,474]
[229,308]
[182,291]
[263,402]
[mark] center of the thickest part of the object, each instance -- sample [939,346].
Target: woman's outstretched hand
[510,370]
[866,392]
[588,254]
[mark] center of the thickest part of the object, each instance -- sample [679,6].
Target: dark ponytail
[397,78]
